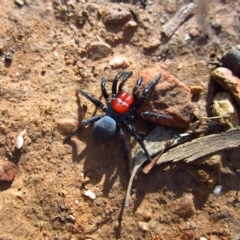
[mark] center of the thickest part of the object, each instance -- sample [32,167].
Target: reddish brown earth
[58,47]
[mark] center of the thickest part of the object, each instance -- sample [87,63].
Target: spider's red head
[122,103]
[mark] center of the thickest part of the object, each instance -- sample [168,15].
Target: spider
[120,109]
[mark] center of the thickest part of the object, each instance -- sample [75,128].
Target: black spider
[121,108]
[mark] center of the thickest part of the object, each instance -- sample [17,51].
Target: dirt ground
[49,42]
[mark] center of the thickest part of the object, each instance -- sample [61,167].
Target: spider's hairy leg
[93,100]
[133,132]
[126,77]
[82,125]
[147,91]
[115,80]
[104,91]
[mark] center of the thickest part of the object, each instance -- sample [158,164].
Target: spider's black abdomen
[105,128]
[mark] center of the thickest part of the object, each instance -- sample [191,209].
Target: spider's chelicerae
[120,109]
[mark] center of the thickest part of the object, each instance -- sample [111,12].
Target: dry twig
[180,16]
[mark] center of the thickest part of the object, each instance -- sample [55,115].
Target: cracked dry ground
[58,47]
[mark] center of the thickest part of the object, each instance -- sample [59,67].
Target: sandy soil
[48,42]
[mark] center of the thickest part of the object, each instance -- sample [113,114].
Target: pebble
[90,194]
[20,2]
[184,206]
[196,89]
[144,214]
[223,107]
[231,59]
[170,97]
[143,226]
[229,82]
[193,32]
[151,44]
[119,61]
[216,23]
[71,218]
[130,24]
[217,190]
[19,140]
[115,15]
[98,50]
[7,171]
[8,57]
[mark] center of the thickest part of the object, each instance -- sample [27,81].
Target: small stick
[180,16]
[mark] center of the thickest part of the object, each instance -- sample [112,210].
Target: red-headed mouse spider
[119,111]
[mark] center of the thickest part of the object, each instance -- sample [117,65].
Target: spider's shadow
[102,160]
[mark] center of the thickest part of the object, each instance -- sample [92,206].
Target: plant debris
[181,15]
[159,141]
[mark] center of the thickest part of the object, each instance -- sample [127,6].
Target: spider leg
[138,84]
[114,85]
[93,100]
[133,132]
[123,143]
[128,74]
[153,114]
[115,80]
[147,91]
[82,125]
[104,91]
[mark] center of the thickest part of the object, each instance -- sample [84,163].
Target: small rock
[145,215]
[231,59]
[229,81]
[193,32]
[8,57]
[217,190]
[143,226]
[20,2]
[115,15]
[184,206]
[65,126]
[98,50]
[196,89]
[130,24]
[70,218]
[216,23]
[119,62]
[170,97]
[7,171]
[55,54]
[90,194]
[151,44]
[223,107]
[19,140]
